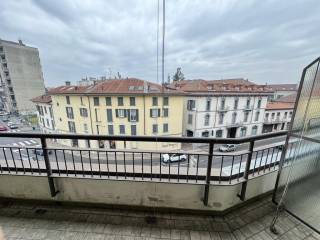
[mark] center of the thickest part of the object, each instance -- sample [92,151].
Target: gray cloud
[265,41]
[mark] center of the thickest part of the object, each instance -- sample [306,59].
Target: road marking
[27,142]
[21,143]
[33,141]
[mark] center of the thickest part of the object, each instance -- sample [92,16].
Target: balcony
[223,109]
[137,179]
[274,121]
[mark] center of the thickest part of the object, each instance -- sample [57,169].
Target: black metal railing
[208,166]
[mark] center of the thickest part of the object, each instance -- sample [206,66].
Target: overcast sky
[264,41]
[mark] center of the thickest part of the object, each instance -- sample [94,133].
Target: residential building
[223,108]
[20,75]
[277,116]
[282,90]
[45,116]
[118,107]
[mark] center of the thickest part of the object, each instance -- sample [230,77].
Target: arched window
[243,132]
[254,130]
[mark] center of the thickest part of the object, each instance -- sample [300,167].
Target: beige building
[126,107]
[44,113]
[20,75]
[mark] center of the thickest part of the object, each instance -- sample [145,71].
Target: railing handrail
[144,138]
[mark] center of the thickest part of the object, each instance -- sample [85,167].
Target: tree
[178,76]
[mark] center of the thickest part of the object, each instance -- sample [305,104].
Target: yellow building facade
[141,114]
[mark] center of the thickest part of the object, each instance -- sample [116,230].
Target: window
[48,124]
[236,103]
[219,133]
[83,112]
[108,101]
[45,110]
[155,112]
[50,111]
[221,116]
[120,113]
[165,101]
[120,101]
[122,129]
[285,115]
[272,115]
[205,134]
[96,101]
[85,127]
[72,127]
[165,127]
[191,105]
[69,111]
[246,116]
[248,102]
[290,114]
[133,115]
[206,119]
[234,117]
[154,101]
[208,105]
[133,130]
[243,132]
[81,100]
[52,124]
[259,103]
[254,130]
[257,116]
[223,103]
[266,116]
[109,115]
[190,117]
[96,111]
[110,129]
[68,99]
[154,128]
[165,112]
[278,116]
[132,101]
[212,133]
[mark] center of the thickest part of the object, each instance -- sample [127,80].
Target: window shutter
[125,112]
[137,115]
[150,112]
[159,112]
[128,114]
[117,114]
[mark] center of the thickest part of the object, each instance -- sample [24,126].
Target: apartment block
[45,116]
[20,75]
[277,116]
[118,107]
[223,108]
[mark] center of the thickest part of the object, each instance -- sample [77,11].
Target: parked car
[3,128]
[228,148]
[176,157]
[5,119]
[13,126]
[40,152]
[26,158]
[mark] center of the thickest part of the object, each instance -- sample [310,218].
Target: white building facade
[44,113]
[224,116]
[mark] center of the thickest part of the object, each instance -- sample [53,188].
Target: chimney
[68,83]
[20,42]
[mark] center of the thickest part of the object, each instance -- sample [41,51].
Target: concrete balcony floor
[25,220]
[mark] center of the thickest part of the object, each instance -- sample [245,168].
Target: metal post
[48,167]
[242,194]
[209,166]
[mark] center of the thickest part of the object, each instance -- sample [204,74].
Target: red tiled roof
[283,87]
[42,99]
[113,86]
[288,99]
[279,105]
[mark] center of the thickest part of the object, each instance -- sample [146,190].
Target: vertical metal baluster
[208,175]
[14,162]
[255,162]
[5,158]
[169,167]
[188,166]
[264,169]
[65,161]
[231,169]
[125,167]
[179,169]
[221,166]
[90,163]
[1,166]
[142,163]
[261,160]
[38,163]
[74,165]
[29,161]
[151,165]
[240,167]
[274,164]
[160,165]
[115,159]
[55,154]
[24,171]
[81,160]
[134,176]
[197,171]
[98,152]
[107,158]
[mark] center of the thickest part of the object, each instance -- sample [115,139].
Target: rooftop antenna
[163,37]
[158,17]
